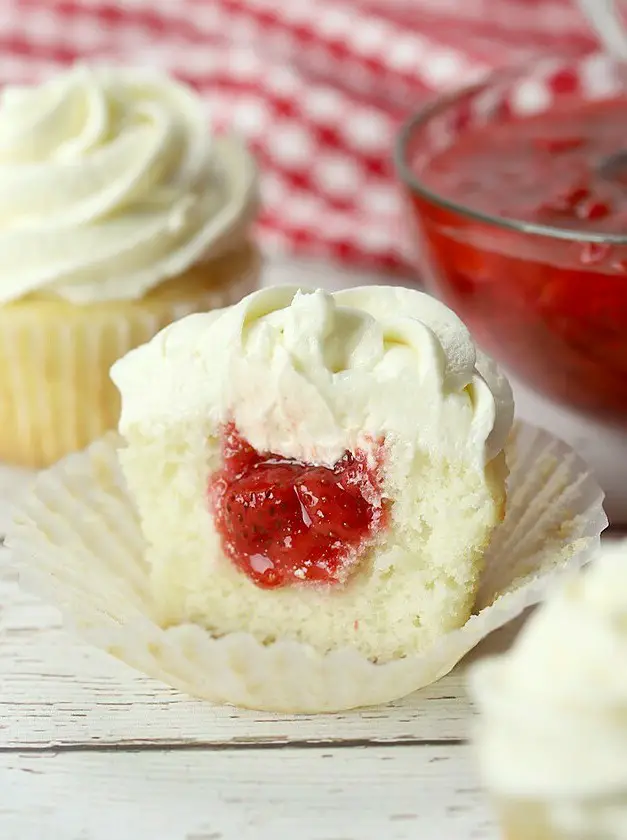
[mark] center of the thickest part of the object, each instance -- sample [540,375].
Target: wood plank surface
[378,793]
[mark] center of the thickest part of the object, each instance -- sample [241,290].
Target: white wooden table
[90,750]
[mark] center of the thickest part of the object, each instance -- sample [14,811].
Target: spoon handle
[606,20]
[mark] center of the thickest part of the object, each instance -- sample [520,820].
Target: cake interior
[416,581]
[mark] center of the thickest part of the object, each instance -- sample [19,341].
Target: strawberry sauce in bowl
[519,190]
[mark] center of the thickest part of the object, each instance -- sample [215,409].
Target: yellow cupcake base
[55,392]
[527,821]
[532,819]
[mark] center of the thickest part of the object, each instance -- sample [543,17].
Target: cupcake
[552,735]
[321,468]
[297,514]
[121,215]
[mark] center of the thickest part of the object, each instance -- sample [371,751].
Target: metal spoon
[613,166]
[606,20]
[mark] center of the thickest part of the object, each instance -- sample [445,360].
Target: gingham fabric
[318,87]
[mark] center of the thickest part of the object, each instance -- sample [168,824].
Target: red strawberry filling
[283,521]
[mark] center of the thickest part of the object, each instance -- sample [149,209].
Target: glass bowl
[547,300]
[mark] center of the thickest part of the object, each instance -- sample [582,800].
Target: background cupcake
[118,214]
[553,733]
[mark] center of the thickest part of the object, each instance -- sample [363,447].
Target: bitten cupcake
[297,515]
[119,213]
[324,469]
[553,731]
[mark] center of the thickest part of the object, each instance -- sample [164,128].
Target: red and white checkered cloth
[317,86]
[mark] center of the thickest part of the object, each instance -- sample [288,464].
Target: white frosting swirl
[554,710]
[311,374]
[110,184]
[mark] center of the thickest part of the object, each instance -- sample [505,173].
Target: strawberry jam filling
[283,521]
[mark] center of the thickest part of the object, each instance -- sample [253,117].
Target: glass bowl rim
[420,118]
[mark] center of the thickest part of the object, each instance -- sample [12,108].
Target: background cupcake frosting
[110,183]
[558,701]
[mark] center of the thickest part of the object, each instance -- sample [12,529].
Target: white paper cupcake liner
[76,541]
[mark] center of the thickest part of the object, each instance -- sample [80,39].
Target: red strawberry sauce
[553,311]
[286,522]
[543,169]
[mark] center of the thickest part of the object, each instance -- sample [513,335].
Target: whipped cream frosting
[309,374]
[554,709]
[111,183]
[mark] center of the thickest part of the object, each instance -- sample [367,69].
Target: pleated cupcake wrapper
[54,372]
[76,541]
